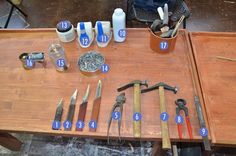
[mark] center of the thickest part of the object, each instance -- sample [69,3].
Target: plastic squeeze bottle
[119,28]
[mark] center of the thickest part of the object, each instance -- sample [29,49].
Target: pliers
[181,106]
[120,100]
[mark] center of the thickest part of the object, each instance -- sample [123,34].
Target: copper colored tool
[83,108]
[96,105]
[181,106]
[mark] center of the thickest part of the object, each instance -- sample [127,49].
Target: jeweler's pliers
[181,106]
[120,100]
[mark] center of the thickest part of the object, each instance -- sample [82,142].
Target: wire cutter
[181,106]
[120,100]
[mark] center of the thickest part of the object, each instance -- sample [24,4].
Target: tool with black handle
[164,125]
[58,114]
[137,103]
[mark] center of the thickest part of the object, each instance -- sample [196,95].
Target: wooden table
[218,82]
[28,98]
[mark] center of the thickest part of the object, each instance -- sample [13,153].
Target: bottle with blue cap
[119,25]
[65,31]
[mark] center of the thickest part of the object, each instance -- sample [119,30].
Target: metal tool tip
[99,82]
[60,103]
[75,93]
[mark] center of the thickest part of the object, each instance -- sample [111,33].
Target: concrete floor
[206,15]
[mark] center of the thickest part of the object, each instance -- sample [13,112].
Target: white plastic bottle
[119,28]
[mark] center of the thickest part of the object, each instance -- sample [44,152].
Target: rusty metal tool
[137,103]
[181,105]
[120,100]
[202,123]
[70,114]
[58,113]
[96,105]
[164,125]
[83,108]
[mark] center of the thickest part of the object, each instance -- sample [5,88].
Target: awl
[70,114]
[83,109]
[58,115]
[96,108]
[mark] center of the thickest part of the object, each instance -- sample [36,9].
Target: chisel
[58,115]
[202,123]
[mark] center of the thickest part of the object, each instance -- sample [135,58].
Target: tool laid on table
[71,110]
[83,108]
[29,59]
[120,100]
[202,123]
[96,105]
[181,105]
[164,125]
[58,114]
[226,58]
[137,103]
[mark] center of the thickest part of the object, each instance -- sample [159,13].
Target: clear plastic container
[119,25]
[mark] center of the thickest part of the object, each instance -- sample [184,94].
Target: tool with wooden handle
[137,103]
[164,125]
[96,105]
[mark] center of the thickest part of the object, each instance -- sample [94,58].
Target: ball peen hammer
[137,103]
[164,125]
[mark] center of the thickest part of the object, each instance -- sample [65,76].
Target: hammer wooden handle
[164,125]
[137,109]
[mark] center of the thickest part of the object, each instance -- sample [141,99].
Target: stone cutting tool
[70,114]
[181,105]
[137,103]
[58,113]
[120,100]
[164,125]
[96,105]
[83,108]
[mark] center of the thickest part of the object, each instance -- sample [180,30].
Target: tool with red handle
[181,106]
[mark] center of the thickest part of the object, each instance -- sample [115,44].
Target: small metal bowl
[91,62]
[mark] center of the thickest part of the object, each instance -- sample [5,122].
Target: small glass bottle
[58,58]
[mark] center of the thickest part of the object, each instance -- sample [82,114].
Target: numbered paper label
[137,116]
[56,125]
[164,116]
[29,63]
[163,45]
[116,115]
[203,132]
[67,125]
[79,124]
[60,62]
[105,68]
[122,33]
[84,41]
[179,119]
[93,124]
[103,38]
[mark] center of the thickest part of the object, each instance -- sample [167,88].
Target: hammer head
[132,83]
[161,84]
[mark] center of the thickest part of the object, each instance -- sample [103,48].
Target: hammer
[137,103]
[164,126]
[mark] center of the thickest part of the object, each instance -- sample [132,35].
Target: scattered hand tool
[226,58]
[71,110]
[165,27]
[33,58]
[83,108]
[120,100]
[96,105]
[164,125]
[59,112]
[137,103]
[181,106]
[202,123]
[177,25]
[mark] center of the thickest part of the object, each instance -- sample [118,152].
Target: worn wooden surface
[218,82]
[28,98]
[10,142]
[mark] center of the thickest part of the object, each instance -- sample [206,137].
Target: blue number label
[64,24]
[116,115]
[137,116]
[164,116]
[29,63]
[56,125]
[67,125]
[93,124]
[60,62]
[122,33]
[79,124]
[203,132]
[163,45]
[84,41]
[179,119]
[103,38]
[105,68]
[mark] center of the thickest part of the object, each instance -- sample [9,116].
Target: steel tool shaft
[83,108]
[59,111]
[96,105]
